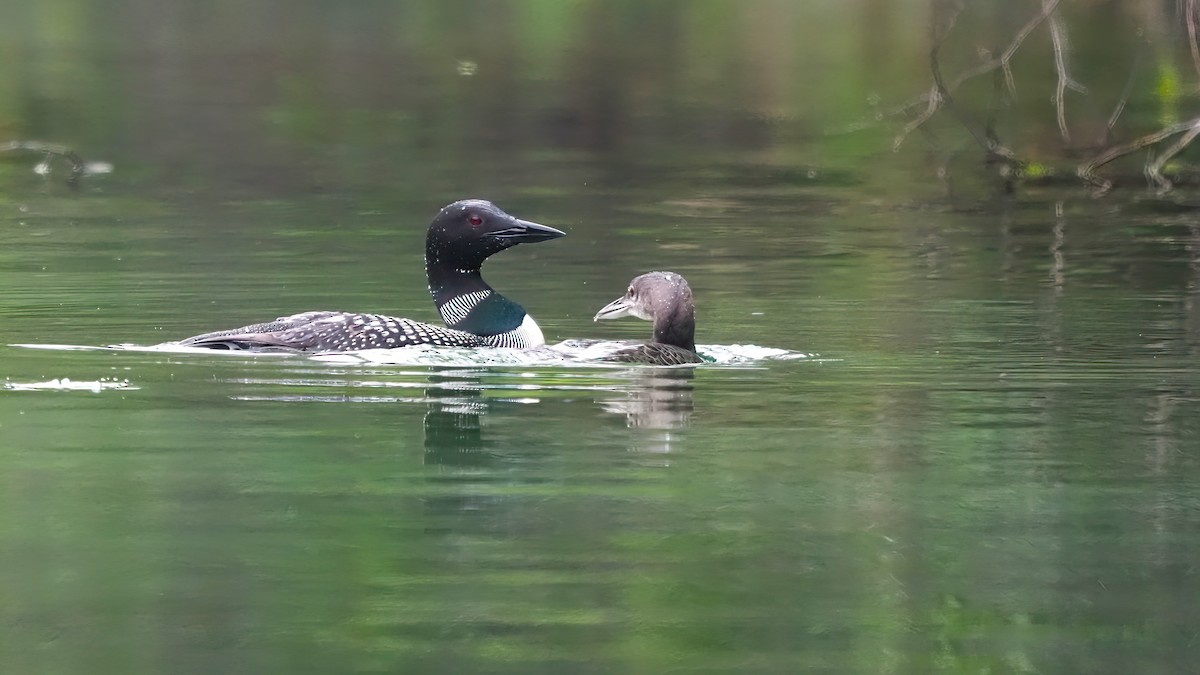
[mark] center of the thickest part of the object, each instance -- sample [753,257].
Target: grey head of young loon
[460,238]
[666,299]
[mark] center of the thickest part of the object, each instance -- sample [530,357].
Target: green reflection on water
[992,470]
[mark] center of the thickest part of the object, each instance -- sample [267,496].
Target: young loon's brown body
[666,299]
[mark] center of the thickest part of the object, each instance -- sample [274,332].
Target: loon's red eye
[474,219]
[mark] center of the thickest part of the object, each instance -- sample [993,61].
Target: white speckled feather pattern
[460,306]
[343,331]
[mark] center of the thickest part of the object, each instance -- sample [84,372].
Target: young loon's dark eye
[475,219]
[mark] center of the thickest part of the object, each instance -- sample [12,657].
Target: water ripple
[572,353]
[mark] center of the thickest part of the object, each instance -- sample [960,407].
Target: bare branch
[52,150]
[931,99]
[1154,167]
[1047,9]
[935,102]
[1058,35]
[998,91]
[1191,11]
[1087,170]
[1126,92]
[990,144]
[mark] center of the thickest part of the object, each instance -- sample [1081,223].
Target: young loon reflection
[666,299]
[460,238]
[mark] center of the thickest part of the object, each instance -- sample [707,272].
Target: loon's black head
[460,238]
[465,233]
[664,298]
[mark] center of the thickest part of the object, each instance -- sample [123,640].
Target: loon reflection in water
[460,238]
[666,299]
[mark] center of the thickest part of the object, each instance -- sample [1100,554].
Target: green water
[988,462]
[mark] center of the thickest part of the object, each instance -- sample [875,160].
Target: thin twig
[998,89]
[1087,170]
[1126,92]
[935,102]
[931,98]
[1058,35]
[53,149]
[1155,166]
[1060,90]
[991,146]
[1192,11]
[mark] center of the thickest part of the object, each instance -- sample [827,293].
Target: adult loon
[666,299]
[460,238]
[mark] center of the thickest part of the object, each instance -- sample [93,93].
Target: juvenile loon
[666,299]
[460,238]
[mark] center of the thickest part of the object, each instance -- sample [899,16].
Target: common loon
[460,238]
[666,299]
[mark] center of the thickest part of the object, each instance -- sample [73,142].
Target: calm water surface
[987,463]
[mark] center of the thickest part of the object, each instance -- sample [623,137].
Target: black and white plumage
[460,238]
[666,299]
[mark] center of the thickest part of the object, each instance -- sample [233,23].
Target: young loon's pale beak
[616,309]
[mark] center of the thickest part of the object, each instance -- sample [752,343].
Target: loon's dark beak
[524,232]
[615,309]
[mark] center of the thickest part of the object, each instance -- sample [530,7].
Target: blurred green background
[990,466]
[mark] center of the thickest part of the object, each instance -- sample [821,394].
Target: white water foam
[572,353]
[67,384]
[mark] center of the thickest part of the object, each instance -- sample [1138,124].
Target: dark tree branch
[1087,170]
[1058,36]
[1191,12]
[1125,93]
[52,150]
[1155,166]
[991,145]
[933,99]
[1169,141]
